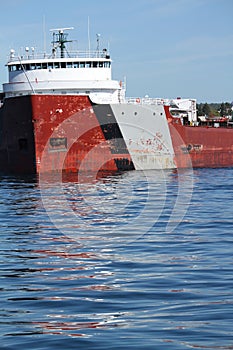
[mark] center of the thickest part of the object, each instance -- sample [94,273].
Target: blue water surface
[138,260]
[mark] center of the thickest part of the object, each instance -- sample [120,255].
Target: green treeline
[215,109]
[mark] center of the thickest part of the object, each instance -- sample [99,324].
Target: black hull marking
[112,132]
[17,143]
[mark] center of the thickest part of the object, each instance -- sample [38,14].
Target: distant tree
[223,111]
[215,109]
[206,109]
[199,109]
[228,107]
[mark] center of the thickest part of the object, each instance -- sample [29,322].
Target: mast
[59,39]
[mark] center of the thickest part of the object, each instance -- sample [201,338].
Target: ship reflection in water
[62,324]
[153,283]
[103,210]
[64,279]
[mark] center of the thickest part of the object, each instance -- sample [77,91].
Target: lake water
[139,260]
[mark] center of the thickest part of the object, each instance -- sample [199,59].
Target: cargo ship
[62,111]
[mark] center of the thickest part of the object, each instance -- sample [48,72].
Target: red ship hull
[32,136]
[44,133]
[208,147]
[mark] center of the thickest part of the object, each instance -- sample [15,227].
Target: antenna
[98,42]
[88,34]
[44,34]
[60,30]
[61,39]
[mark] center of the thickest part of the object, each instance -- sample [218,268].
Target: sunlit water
[130,261]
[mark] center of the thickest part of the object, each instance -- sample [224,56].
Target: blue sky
[164,48]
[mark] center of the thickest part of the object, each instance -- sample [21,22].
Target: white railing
[67,55]
[146,100]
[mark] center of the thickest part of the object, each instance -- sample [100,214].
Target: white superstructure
[62,72]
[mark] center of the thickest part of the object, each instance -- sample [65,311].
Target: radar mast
[59,39]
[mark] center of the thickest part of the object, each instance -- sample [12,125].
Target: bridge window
[51,65]
[12,68]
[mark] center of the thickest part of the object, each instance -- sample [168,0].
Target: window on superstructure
[44,65]
[69,65]
[76,65]
[95,64]
[82,65]
[56,64]
[50,65]
[63,64]
[88,64]
[101,64]
[33,66]
[38,65]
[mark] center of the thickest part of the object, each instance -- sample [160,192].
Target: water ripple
[162,290]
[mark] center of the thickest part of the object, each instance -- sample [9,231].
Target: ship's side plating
[146,134]
[207,147]
[74,134]
[200,146]
[17,143]
[70,133]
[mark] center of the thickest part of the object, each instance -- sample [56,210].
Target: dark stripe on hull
[112,133]
[17,143]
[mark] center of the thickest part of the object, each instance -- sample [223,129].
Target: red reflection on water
[68,326]
[96,287]
[88,176]
[61,328]
[65,255]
